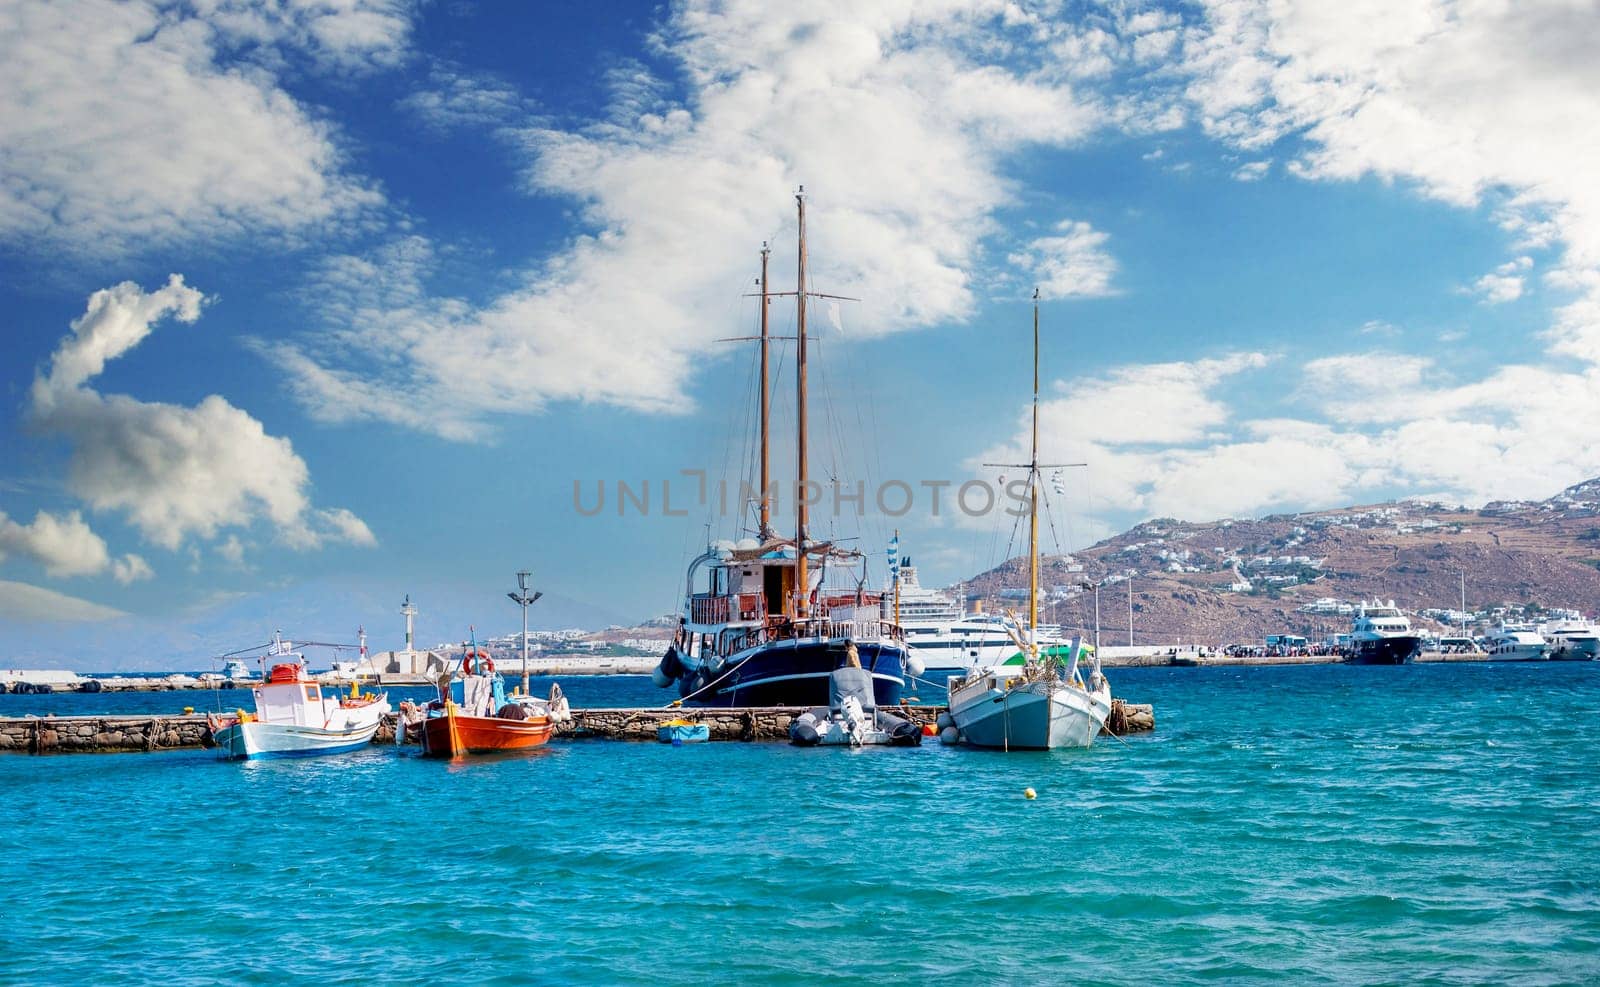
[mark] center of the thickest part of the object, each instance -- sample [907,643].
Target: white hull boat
[1516,644]
[1038,714]
[851,718]
[1036,700]
[252,741]
[293,718]
[1572,640]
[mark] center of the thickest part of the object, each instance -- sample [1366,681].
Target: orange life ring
[483,662]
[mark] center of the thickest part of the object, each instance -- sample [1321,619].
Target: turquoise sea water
[1324,824]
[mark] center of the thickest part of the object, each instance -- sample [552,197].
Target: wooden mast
[766,502]
[1033,498]
[802,590]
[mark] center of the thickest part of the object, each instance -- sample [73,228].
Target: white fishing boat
[1043,701]
[294,718]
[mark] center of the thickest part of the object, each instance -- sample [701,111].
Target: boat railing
[704,608]
[864,630]
[708,608]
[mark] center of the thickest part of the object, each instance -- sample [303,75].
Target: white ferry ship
[948,640]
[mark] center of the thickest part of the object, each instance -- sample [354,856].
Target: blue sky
[312,305]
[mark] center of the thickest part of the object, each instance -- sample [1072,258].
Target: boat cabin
[740,595]
[289,697]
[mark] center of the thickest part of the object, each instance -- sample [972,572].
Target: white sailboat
[1042,702]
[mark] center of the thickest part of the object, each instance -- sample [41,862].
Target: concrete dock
[121,734]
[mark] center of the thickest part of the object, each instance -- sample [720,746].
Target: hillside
[1237,580]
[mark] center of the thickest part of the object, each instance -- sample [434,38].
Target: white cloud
[131,568]
[457,99]
[1497,288]
[132,125]
[1163,440]
[897,119]
[1071,263]
[1471,102]
[21,601]
[1252,171]
[1150,404]
[1505,284]
[231,549]
[64,545]
[174,471]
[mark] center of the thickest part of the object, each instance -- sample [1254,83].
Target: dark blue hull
[1388,651]
[794,673]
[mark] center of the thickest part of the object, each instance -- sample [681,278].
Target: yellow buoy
[187,710]
[1029,793]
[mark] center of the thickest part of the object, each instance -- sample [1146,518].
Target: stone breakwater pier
[122,734]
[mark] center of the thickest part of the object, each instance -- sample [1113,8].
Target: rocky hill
[1237,580]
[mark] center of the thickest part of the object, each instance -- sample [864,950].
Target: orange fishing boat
[474,715]
[454,733]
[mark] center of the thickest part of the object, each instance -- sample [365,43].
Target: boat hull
[1397,650]
[683,733]
[1587,649]
[258,741]
[1034,716]
[482,734]
[793,673]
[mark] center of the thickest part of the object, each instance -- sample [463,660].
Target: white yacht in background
[1512,643]
[948,640]
[1572,640]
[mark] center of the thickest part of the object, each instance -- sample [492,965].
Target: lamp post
[522,599]
[1095,585]
[1130,611]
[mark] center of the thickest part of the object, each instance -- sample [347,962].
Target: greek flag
[894,557]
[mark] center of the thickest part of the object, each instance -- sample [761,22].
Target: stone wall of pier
[112,734]
[100,734]
[772,723]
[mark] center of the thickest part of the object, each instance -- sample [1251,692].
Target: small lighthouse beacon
[408,610]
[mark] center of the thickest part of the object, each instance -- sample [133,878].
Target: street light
[1095,585]
[522,599]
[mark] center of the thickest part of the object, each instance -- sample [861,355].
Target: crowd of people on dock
[1282,651]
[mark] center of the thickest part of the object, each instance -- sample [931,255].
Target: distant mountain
[1237,580]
